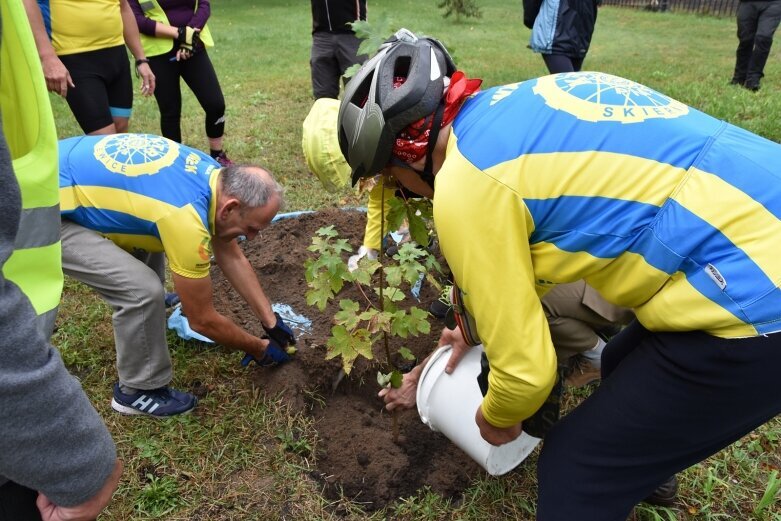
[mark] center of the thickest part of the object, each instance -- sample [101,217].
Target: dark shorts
[104,88]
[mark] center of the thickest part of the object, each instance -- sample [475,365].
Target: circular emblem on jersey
[136,154]
[595,96]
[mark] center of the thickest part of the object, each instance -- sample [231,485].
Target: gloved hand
[274,355]
[281,333]
[189,38]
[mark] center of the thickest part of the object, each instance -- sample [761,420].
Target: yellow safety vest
[154,46]
[36,263]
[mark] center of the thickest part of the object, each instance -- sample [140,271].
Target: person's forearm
[225,332]
[42,42]
[201,15]
[166,31]
[130,31]
[242,277]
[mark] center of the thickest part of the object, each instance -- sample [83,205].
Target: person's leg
[168,95]
[135,292]
[577,63]
[17,503]
[198,73]
[346,51]
[88,100]
[572,325]
[119,87]
[668,403]
[767,24]
[324,67]
[558,63]
[747,28]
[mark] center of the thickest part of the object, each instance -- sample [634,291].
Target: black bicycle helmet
[373,112]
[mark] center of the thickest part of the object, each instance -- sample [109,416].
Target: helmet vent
[401,68]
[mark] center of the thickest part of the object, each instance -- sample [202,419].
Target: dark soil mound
[356,453]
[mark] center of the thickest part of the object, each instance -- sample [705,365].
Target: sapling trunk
[388,362]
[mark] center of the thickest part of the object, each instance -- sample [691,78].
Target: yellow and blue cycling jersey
[76,26]
[145,193]
[658,206]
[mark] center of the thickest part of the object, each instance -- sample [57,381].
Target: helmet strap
[428,171]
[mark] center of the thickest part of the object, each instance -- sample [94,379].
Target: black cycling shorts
[104,88]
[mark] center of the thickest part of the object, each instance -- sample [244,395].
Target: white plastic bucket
[447,403]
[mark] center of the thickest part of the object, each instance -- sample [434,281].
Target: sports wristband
[140,61]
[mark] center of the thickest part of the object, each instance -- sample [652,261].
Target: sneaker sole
[130,411]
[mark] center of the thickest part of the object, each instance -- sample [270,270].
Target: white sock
[594,355]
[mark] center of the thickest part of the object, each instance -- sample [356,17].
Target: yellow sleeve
[187,243]
[371,236]
[484,227]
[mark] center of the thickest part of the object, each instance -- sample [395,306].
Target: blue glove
[281,333]
[274,355]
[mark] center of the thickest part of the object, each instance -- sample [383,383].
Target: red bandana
[412,142]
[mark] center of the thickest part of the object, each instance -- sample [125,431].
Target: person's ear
[231,205]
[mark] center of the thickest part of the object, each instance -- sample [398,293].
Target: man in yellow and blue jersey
[128,200]
[659,207]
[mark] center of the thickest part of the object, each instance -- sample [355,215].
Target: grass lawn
[230,461]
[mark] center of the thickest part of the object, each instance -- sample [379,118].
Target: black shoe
[736,81]
[665,494]
[753,86]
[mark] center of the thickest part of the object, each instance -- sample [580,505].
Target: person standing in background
[175,36]
[561,31]
[81,45]
[334,43]
[757,22]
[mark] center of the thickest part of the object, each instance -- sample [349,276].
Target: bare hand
[58,79]
[147,79]
[86,511]
[496,435]
[455,340]
[405,396]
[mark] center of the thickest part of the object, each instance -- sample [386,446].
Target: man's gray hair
[250,188]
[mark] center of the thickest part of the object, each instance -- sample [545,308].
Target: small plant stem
[389,365]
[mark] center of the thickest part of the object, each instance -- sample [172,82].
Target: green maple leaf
[418,321]
[406,354]
[320,293]
[393,275]
[349,346]
[396,213]
[348,314]
[391,294]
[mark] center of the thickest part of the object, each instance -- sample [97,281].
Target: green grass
[245,456]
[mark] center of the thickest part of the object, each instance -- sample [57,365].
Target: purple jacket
[180,13]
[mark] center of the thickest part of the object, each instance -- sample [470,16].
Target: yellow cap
[321,145]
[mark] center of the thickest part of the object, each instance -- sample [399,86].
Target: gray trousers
[133,286]
[331,55]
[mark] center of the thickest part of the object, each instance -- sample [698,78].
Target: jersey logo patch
[716,276]
[595,96]
[136,154]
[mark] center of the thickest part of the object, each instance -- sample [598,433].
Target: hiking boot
[222,159]
[158,403]
[580,372]
[665,494]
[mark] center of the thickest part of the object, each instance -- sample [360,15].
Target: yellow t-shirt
[76,26]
